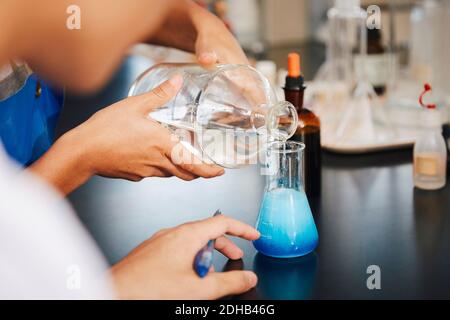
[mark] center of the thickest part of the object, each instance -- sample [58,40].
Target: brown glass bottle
[376,51]
[308,130]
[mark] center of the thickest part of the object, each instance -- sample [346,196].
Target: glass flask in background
[430,49]
[285,219]
[229,113]
[347,39]
[346,97]
[348,54]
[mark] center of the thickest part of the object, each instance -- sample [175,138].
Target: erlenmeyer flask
[285,220]
[228,113]
[337,77]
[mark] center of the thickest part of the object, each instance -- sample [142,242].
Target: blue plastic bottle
[285,220]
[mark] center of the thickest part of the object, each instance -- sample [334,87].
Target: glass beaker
[229,113]
[285,219]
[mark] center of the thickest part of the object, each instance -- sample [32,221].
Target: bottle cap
[294,79]
[294,65]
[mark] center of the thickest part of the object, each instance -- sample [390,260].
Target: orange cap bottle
[294,79]
[294,65]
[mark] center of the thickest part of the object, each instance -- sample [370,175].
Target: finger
[223,284]
[177,171]
[160,173]
[207,58]
[186,160]
[200,232]
[202,169]
[163,174]
[160,95]
[228,248]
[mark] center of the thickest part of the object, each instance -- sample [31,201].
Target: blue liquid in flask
[286,224]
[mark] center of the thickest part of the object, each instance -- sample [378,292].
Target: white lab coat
[45,252]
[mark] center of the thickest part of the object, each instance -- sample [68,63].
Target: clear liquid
[286,224]
[228,140]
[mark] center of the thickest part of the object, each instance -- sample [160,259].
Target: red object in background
[426,88]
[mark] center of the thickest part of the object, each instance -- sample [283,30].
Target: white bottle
[430,153]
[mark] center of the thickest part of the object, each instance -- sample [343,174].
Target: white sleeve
[45,252]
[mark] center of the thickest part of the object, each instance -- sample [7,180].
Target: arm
[80,59]
[120,141]
[64,166]
[83,59]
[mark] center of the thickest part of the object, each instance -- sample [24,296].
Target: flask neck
[284,161]
[281,121]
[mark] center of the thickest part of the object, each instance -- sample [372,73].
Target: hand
[216,44]
[120,141]
[190,27]
[162,266]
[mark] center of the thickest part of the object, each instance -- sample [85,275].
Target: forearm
[65,165]
[81,59]
[8,25]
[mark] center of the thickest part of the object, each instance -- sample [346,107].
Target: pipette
[203,259]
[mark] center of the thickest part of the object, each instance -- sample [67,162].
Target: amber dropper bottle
[308,130]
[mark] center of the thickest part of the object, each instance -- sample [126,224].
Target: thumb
[229,283]
[161,95]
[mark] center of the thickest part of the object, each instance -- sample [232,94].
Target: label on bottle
[374,68]
[427,165]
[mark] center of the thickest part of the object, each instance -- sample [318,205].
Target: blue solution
[286,225]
